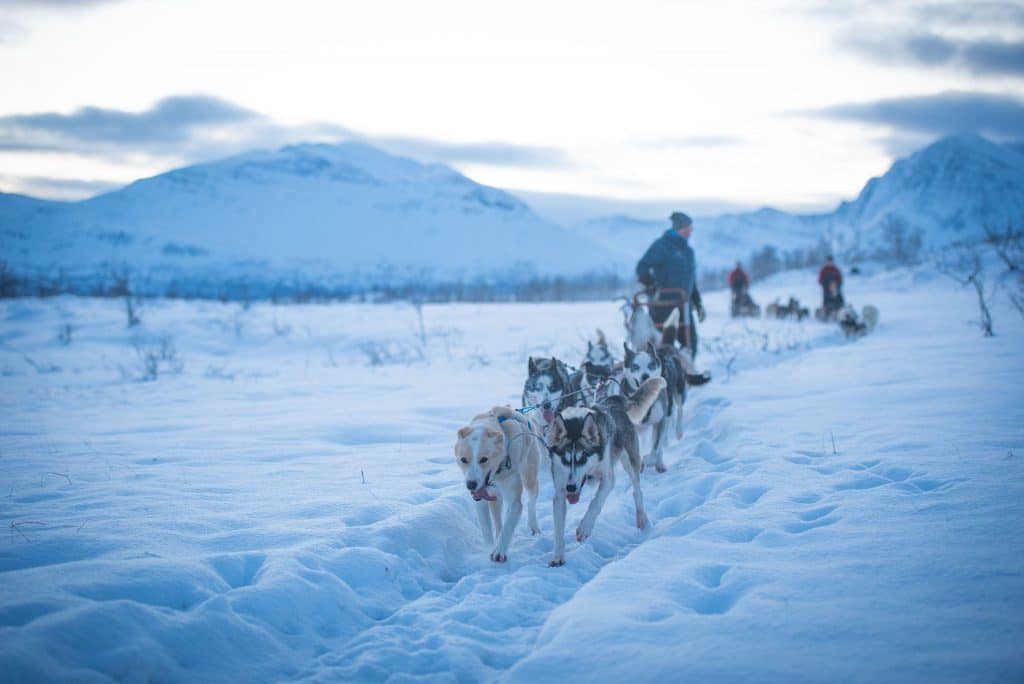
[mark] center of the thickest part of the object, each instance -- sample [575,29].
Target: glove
[701,314]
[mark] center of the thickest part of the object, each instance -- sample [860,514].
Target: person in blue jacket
[668,270]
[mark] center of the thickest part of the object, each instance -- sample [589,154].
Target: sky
[634,106]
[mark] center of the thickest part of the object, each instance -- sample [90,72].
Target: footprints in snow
[853,477]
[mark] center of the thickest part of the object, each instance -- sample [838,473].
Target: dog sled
[743,306]
[641,330]
[644,311]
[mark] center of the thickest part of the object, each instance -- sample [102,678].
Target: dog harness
[507,463]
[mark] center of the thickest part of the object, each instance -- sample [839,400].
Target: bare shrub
[64,334]
[963,263]
[154,359]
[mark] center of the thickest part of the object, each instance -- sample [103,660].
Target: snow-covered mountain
[333,215]
[350,217]
[946,192]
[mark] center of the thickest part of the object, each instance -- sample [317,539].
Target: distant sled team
[586,423]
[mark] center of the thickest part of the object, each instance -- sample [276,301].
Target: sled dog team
[584,422]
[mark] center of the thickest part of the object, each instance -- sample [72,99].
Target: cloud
[55,188]
[981,57]
[189,129]
[692,141]
[980,37]
[999,116]
[170,121]
[972,14]
[493,153]
[995,57]
[56,4]
[193,128]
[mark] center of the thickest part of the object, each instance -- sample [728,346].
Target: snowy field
[281,502]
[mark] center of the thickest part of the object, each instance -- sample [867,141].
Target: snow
[274,506]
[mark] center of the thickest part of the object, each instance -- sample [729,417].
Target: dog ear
[531,366]
[629,352]
[464,431]
[590,346]
[650,347]
[558,431]
[590,431]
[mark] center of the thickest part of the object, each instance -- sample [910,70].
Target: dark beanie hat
[680,220]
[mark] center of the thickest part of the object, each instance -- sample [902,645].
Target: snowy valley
[279,498]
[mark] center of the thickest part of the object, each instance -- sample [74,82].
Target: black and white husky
[641,331]
[666,362]
[584,444]
[548,386]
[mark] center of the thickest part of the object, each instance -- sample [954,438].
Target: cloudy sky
[643,104]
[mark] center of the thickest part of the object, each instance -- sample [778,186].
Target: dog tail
[640,402]
[697,379]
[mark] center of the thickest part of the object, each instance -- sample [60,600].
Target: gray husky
[548,386]
[585,443]
[665,361]
[600,374]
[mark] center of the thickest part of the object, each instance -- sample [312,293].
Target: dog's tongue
[573,497]
[482,494]
[549,416]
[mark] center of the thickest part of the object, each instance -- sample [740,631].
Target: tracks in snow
[727,485]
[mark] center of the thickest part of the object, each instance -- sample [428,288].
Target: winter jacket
[738,278]
[828,273]
[669,263]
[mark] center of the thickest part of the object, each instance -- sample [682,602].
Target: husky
[585,444]
[548,386]
[500,451]
[640,330]
[599,375]
[600,355]
[664,362]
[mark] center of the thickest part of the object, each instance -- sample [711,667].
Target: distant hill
[946,192]
[323,216]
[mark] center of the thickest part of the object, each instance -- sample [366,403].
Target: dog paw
[660,467]
[582,534]
[642,521]
[534,531]
[556,563]
[498,557]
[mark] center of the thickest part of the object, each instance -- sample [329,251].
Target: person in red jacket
[738,279]
[831,280]
[739,282]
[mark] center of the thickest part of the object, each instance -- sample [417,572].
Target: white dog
[499,453]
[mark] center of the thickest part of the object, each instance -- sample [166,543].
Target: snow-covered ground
[282,501]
